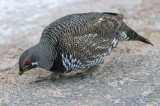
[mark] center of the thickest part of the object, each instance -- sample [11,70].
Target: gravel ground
[132,72]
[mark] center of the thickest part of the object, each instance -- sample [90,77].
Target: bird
[78,42]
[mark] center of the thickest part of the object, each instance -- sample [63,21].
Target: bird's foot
[94,71]
[52,77]
[82,75]
[85,75]
[40,79]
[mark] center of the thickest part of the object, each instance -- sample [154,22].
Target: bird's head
[27,61]
[37,56]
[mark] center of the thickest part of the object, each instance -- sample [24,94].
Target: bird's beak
[21,72]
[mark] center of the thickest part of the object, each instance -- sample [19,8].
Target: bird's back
[82,23]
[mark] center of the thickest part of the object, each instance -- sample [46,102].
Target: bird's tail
[127,33]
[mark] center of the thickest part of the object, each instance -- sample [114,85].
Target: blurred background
[22,22]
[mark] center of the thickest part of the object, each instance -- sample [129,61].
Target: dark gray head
[40,55]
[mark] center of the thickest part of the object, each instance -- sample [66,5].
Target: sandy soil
[132,72]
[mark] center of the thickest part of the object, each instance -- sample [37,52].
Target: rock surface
[132,72]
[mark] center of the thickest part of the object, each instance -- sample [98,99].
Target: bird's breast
[71,62]
[82,52]
[68,62]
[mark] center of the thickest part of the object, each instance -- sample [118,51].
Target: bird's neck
[47,54]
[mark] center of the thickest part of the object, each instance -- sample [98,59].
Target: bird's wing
[96,34]
[87,48]
[104,25]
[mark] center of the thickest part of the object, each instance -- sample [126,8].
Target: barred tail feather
[127,33]
[142,39]
[135,36]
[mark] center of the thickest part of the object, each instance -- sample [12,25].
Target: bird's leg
[95,70]
[53,76]
[92,71]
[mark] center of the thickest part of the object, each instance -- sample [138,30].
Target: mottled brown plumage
[78,41]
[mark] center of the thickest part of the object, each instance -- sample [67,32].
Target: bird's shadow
[70,78]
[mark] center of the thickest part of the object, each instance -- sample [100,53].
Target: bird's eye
[27,62]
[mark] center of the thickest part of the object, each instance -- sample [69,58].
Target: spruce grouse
[77,41]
